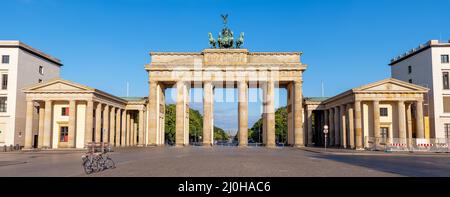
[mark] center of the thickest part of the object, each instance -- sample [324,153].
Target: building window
[3,104]
[41,70]
[444,59]
[39,80]
[4,81]
[409,69]
[383,111]
[64,111]
[5,59]
[410,80]
[447,130]
[64,134]
[446,103]
[445,80]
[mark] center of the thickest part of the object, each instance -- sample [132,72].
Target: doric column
[270,114]
[152,108]
[358,126]
[48,124]
[72,123]
[41,124]
[409,124]
[29,125]
[207,113]
[309,120]
[325,122]
[298,115]
[337,127]
[131,141]
[118,127]
[343,126]
[331,126]
[123,129]
[376,119]
[106,124]
[141,127]
[112,125]
[98,122]
[181,127]
[419,120]
[243,113]
[128,130]
[89,126]
[351,126]
[135,133]
[401,120]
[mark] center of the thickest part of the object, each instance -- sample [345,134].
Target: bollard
[4,148]
[11,147]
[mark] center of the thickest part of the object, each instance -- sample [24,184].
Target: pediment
[60,85]
[390,85]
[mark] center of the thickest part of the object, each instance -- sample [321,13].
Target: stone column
[325,122]
[376,119]
[29,125]
[98,122]
[123,130]
[207,113]
[401,120]
[141,127]
[72,123]
[409,124]
[128,129]
[309,128]
[270,114]
[180,127]
[106,123]
[112,125]
[351,126]
[135,133]
[358,126]
[243,113]
[41,125]
[153,116]
[337,127]
[48,124]
[89,122]
[131,141]
[331,126]
[298,115]
[343,126]
[118,127]
[419,120]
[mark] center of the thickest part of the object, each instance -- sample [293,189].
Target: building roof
[420,48]
[21,45]
[316,99]
[133,98]
[389,85]
[62,85]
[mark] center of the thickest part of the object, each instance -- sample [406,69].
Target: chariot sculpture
[225,39]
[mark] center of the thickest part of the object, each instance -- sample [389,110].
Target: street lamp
[325,131]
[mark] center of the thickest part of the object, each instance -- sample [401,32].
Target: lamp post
[325,131]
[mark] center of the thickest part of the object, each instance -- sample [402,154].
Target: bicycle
[90,164]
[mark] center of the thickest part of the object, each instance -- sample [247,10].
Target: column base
[299,146]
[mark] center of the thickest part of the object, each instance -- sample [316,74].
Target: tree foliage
[280,127]
[195,126]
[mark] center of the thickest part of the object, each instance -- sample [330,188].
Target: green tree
[195,125]
[280,127]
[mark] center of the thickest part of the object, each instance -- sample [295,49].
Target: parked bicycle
[97,158]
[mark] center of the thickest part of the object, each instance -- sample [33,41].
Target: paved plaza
[229,162]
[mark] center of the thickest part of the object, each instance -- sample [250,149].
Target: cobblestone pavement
[226,161]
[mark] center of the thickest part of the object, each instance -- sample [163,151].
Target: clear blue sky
[104,43]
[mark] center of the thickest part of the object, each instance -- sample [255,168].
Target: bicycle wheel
[97,164]
[87,166]
[109,163]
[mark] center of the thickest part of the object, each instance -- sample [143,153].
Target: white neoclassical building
[20,66]
[64,114]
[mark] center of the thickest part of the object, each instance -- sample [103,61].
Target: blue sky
[346,43]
